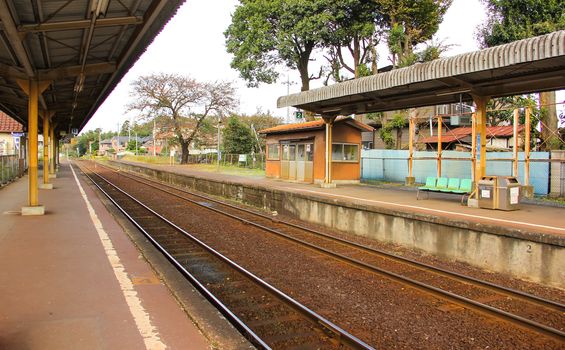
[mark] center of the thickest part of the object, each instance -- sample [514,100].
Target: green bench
[444,185]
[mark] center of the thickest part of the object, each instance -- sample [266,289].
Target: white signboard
[514,195]
[173,153]
[485,193]
[243,157]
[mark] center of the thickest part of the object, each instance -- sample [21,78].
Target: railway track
[266,316]
[525,310]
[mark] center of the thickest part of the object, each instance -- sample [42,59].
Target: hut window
[273,151]
[345,152]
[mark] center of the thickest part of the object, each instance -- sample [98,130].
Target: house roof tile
[459,133]
[8,124]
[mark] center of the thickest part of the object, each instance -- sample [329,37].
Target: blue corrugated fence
[392,165]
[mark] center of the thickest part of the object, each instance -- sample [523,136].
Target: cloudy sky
[192,43]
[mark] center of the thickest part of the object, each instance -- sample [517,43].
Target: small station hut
[298,151]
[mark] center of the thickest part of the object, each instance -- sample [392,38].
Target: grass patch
[223,169]
[556,200]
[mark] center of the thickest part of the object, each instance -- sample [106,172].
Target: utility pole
[219,152]
[288,83]
[154,144]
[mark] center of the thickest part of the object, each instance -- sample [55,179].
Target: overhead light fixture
[99,7]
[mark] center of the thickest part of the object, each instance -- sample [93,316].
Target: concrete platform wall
[536,257]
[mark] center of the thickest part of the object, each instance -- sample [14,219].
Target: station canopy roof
[525,66]
[83,46]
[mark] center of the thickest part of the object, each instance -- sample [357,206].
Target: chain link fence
[8,168]
[250,161]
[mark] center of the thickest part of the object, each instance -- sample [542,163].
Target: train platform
[528,243]
[532,218]
[73,279]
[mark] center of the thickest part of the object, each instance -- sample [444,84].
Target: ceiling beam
[16,43]
[79,24]
[14,39]
[75,71]
[61,72]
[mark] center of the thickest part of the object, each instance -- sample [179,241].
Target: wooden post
[439,146]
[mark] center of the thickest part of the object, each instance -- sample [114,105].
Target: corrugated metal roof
[53,40]
[528,65]
[314,125]
[8,124]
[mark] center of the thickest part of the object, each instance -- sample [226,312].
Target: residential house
[10,131]
[498,138]
[424,115]
[116,143]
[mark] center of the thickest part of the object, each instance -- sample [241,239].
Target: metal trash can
[487,192]
[509,193]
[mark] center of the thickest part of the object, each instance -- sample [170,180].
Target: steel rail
[343,336]
[438,292]
[239,324]
[444,272]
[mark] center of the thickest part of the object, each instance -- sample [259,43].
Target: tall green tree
[511,20]
[409,23]
[353,28]
[267,34]
[237,137]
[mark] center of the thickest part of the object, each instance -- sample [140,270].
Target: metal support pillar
[53,152]
[329,120]
[46,132]
[439,144]
[474,147]
[528,190]
[516,123]
[481,131]
[33,89]
[410,180]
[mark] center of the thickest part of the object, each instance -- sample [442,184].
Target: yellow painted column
[410,179]
[33,89]
[474,147]
[46,148]
[33,122]
[528,190]
[53,152]
[481,131]
[527,147]
[515,143]
[328,176]
[439,144]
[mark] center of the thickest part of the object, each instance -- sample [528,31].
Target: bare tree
[182,101]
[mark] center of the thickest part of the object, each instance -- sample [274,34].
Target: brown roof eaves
[314,125]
